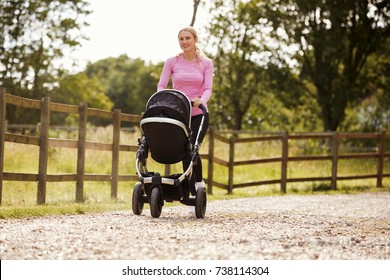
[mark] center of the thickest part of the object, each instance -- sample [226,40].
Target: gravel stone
[288,227]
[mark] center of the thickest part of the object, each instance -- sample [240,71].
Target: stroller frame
[153,188]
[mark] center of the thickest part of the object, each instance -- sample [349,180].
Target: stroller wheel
[200,202]
[155,202]
[137,202]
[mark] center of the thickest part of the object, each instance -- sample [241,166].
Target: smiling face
[187,41]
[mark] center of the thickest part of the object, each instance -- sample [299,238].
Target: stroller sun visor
[166,121]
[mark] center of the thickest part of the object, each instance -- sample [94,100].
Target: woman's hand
[197,102]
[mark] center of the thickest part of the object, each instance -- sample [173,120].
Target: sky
[144,29]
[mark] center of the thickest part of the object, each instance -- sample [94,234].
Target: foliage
[34,36]
[239,80]
[373,113]
[320,51]
[279,64]
[334,41]
[251,89]
[77,89]
[127,82]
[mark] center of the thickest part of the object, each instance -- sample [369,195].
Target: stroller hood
[169,103]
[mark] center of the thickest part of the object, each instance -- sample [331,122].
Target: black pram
[166,132]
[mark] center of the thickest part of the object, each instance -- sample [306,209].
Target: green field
[19,198]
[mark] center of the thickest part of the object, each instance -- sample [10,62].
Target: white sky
[146,29]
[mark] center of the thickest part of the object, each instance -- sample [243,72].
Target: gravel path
[279,227]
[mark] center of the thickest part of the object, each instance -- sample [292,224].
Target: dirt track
[281,227]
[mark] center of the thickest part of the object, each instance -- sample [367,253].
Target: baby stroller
[166,132]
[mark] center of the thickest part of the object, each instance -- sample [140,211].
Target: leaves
[127,82]
[326,43]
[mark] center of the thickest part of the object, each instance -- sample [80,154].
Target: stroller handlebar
[202,107]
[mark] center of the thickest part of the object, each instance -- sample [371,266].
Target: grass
[19,198]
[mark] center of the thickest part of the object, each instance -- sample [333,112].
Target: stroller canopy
[171,104]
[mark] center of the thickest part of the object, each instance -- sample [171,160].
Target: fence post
[2,137]
[43,150]
[232,141]
[283,180]
[167,169]
[381,158]
[335,156]
[83,111]
[210,161]
[115,153]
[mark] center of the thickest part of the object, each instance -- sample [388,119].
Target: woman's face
[187,41]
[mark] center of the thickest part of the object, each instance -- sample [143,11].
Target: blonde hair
[199,52]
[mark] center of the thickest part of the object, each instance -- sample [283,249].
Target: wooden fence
[46,107]
[44,142]
[332,140]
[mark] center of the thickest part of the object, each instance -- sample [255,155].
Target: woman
[192,73]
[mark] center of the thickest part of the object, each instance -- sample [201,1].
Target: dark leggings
[195,123]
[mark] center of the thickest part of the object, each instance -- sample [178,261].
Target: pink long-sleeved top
[194,78]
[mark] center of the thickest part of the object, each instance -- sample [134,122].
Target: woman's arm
[165,75]
[208,81]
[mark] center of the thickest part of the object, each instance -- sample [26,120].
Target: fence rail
[46,107]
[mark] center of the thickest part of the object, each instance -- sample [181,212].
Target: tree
[239,78]
[373,113]
[334,40]
[248,92]
[127,82]
[77,89]
[34,35]
[309,49]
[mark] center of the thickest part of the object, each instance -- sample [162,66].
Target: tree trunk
[196,4]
